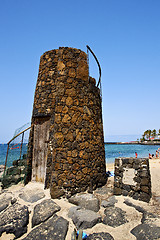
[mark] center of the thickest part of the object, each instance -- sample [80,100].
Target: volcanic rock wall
[132,178]
[66,146]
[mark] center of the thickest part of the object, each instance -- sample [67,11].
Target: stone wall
[14,174]
[132,178]
[68,100]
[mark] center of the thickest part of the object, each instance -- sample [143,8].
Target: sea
[14,153]
[112,151]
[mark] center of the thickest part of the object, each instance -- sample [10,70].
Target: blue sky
[125,36]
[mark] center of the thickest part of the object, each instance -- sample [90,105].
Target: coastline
[134,143]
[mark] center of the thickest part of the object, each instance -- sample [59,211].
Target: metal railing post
[21,145]
[99,81]
[6,158]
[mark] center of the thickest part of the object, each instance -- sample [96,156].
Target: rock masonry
[24,215]
[132,178]
[67,99]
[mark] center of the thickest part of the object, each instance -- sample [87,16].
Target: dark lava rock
[54,228]
[14,220]
[110,202]
[43,211]
[149,218]
[146,232]
[5,200]
[138,208]
[3,205]
[114,216]
[14,200]
[100,236]
[103,190]
[32,195]
[85,200]
[83,218]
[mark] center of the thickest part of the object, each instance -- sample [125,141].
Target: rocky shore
[28,212]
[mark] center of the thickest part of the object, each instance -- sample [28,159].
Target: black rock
[146,232]
[114,217]
[125,193]
[100,236]
[43,211]
[3,206]
[85,200]
[149,218]
[138,208]
[83,218]
[144,197]
[110,202]
[5,200]
[103,190]
[126,187]
[14,220]
[54,228]
[32,195]
[14,200]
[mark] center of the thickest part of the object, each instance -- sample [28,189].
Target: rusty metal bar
[21,145]
[6,158]
[10,142]
[99,81]
[19,134]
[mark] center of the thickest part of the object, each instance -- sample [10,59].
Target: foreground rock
[83,218]
[104,190]
[109,203]
[32,195]
[150,218]
[1,171]
[43,211]
[5,200]
[14,220]
[146,232]
[54,228]
[138,208]
[100,236]
[114,217]
[85,200]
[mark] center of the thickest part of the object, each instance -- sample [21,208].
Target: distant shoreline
[135,143]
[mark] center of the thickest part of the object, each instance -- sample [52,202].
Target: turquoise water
[112,151]
[13,154]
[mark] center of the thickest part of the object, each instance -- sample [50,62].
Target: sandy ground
[155,175]
[119,233]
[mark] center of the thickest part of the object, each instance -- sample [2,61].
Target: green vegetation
[149,135]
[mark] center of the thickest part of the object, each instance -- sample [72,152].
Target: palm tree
[159,133]
[148,134]
[154,133]
[144,135]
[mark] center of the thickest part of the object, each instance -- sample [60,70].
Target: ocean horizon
[112,151]
[122,138]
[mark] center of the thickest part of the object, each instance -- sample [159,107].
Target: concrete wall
[68,99]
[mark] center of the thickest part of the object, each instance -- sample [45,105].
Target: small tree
[159,132]
[149,134]
[144,135]
[154,133]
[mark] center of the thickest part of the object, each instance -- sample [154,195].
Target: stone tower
[66,146]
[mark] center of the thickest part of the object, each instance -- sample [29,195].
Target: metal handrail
[20,147]
[99,81]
